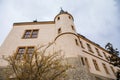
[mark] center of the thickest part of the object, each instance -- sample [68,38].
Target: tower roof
[62,11]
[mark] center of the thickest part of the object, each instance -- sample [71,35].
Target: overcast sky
[98,20]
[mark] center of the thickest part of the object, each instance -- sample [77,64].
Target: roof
[62,11]
[83,37]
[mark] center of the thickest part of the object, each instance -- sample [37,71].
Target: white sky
[98,20]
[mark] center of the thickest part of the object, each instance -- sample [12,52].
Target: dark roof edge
[33,23]
[93,43]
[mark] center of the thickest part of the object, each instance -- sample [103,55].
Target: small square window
[59,30]
[69,17]
[58,18]
[21,50]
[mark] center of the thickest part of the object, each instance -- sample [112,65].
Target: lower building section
[81,72]
[77,72]
[2,75]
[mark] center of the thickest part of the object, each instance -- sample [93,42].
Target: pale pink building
[25,36]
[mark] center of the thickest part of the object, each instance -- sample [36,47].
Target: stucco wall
[14,40]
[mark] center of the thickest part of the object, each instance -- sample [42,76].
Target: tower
[68,41]
[66,37]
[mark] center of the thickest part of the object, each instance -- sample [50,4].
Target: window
[105,68]
[98,52]
[30,50]
[69,17]
[105,55]
[89,47]
[30,34]
[96,65]
[58,18]
[24,50]
[112,69]
[76,41]
[27,34]
[81,44]
[87,63]
[72,27]
[34,34]
[20,52]
[82,60]
[59,30]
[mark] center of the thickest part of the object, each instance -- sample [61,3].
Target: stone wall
[79,71]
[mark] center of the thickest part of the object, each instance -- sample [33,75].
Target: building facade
[24,37]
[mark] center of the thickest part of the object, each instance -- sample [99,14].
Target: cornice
[95,44]
[33,23]
[65,34]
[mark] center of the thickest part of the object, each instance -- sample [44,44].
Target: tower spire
[62,11]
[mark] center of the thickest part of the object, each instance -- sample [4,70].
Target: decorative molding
[65,34]
[95,56]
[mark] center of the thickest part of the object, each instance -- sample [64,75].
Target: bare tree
[38,66]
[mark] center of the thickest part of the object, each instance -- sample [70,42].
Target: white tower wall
[67,36]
